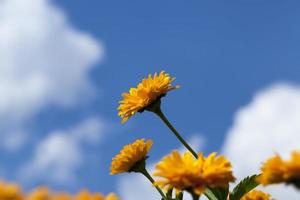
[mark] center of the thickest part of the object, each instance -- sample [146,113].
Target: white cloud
[136,187]
[57,157]
[44,61]
[269,124]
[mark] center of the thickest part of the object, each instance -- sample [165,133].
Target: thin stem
[195,196]
[179,196]
[149,177]
[167,122]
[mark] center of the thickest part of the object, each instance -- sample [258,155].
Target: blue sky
[221,52]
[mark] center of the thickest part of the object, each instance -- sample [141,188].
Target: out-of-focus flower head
[256,195]
[275,170]
[10,192]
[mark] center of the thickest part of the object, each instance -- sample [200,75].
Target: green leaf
[220,193]
[169,193]
[209,194]
[216,193]
[245,186]
[179,196]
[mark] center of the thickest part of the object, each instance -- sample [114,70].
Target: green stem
[179,196]
[167,122]
[149,177]
[195,196]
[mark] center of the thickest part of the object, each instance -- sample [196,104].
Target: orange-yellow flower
[276,170]
[188,173]
[292,172]
[130,156]
[41,193]
[180,172]
[256,195]
[272,171]
[61,196]
[111,196]
[217,171]
[13,192]
[10,191]
[148,91]
[86,195]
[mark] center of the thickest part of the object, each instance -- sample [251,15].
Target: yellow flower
[256,195]
[276,170]
[130,156]
[13,192]
[180,172]
[217,171]
[272,171]
[10,192]
[111,196]
[41,193]
[86,195]
[188,173]
[61,196]
[146,93]
[292,172]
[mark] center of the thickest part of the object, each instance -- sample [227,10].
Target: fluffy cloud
[57,157]
[44,61]
[269,124]
[136,187]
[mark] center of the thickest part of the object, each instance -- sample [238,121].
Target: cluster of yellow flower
[190,172]
[14,192]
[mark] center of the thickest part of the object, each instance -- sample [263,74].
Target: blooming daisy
[146,93]
[130,156]
[193,174]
